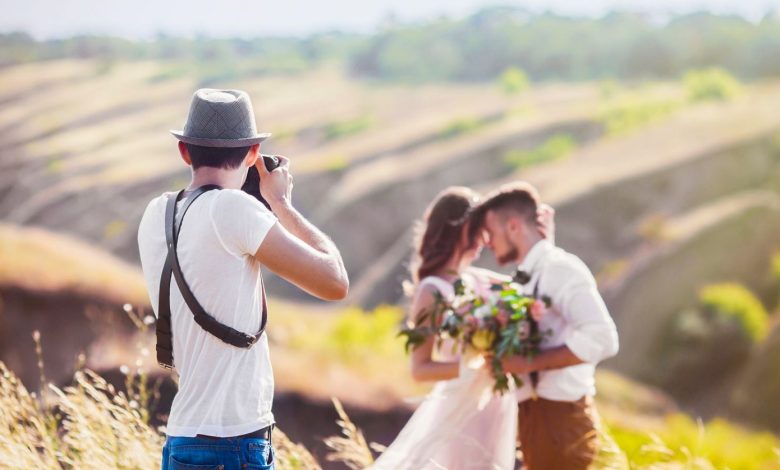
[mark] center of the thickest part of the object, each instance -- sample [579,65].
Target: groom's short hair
[518,197]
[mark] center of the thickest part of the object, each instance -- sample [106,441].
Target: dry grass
[39,260]
[91,425]
[351,448]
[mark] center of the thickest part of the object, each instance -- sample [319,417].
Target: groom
[558,423]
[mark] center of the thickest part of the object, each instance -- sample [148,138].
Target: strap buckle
[250,340]
[165,366]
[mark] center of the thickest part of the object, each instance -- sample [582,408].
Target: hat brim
[229,143]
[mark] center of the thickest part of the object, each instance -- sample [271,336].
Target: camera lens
[271,162]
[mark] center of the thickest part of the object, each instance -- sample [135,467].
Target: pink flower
[503,318]
[538,310]
[472,321]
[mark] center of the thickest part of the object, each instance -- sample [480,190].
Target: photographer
[209,300]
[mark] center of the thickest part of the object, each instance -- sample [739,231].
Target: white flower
[483,311]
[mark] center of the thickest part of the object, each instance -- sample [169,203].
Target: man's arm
[593,336]
[294,248]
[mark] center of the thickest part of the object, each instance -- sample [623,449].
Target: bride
[461,423]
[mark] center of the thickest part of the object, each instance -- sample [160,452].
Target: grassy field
[91,424]
[633,168]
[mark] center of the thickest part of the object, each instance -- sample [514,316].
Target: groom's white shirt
[578,319]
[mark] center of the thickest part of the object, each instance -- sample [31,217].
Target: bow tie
[521,277]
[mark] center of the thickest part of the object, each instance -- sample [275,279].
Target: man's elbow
[337,289]
[613,347]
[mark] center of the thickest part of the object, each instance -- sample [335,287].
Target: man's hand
[545,222]
[517,365]
[556,358]
[276,186]
[294,248]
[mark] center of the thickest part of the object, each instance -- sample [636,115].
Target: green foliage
[625,115]
[552,47]
[694,445]
[478,48]
[711,84]
[339,129]
[514,80]
[555,148]
[734,303]
[461,126]
[355,335]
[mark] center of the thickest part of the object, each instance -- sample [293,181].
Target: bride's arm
[424,368]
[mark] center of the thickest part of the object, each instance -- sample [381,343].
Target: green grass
[461,126]
[354,334]
[348,127]
[627,114]
[556,147]
[681,442]
[734,302]
[712,84]
[514,80]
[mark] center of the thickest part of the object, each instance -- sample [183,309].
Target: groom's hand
[545,222]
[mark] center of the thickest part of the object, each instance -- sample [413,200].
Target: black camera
[252,184]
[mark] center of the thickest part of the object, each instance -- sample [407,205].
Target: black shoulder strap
[201,317]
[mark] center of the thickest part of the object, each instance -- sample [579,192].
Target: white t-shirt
[223,390]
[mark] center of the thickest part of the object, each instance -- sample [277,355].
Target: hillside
[659,192]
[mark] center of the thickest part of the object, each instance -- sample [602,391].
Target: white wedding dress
[461,424]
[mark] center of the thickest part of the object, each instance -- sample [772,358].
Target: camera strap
[171,268]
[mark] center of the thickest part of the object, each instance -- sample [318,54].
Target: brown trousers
[558,435]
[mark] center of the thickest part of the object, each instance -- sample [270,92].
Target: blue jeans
[197,453]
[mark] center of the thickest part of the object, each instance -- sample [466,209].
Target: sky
[138,19]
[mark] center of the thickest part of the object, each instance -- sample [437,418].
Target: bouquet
[496,323]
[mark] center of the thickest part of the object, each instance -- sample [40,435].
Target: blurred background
[653,127]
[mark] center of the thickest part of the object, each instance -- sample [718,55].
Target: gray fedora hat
[220,118]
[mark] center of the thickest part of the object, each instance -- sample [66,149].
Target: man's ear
[185,154]
[252,155]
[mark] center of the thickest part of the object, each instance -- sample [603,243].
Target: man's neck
[528,244]
[228,179]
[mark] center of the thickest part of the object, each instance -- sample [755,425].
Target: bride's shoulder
[434,284]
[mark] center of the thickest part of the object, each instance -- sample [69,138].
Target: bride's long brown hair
[441,230]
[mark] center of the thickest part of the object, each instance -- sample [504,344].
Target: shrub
[628,114]
[460,126]
[734,303]
[711,84]
[514,80]
[338,129]
[555,148]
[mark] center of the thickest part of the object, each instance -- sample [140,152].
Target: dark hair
[227,158]
[519,197]
[439,233]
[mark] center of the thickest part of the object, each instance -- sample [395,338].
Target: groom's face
[499,241]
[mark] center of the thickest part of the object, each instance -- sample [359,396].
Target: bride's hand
[545,222]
